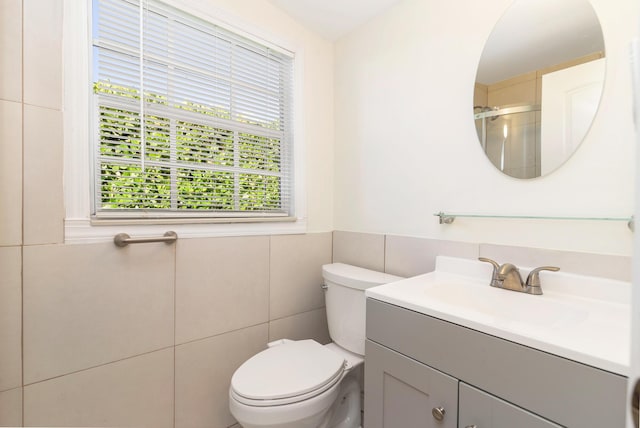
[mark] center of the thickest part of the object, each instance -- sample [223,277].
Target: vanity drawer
[479,409]
[561,390]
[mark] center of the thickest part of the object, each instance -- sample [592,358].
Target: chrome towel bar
[123,239]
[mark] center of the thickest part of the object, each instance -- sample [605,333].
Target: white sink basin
[495,304]
[583,318]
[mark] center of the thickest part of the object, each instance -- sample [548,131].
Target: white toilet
[303,384]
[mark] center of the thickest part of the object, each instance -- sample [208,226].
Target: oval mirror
[538,85]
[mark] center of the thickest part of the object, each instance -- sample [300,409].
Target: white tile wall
[295,274]
[11,50]
[43,53]
[306,325]
[11,408]
[10,169]
[86,305]
[136,392]
[92,311]
[222,284]
[203,374]
[408,256]
[603,265]
[359,249]
[43,197]
[10,318]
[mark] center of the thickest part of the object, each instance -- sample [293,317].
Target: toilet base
[344,412]
[347,410]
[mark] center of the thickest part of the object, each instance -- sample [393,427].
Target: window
[190,119]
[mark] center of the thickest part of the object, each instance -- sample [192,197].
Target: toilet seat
[286,374]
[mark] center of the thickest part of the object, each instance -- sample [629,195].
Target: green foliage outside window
[183,164]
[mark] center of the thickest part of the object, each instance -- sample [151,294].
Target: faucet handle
[533,279]
[496,266]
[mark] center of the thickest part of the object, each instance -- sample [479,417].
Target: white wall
[406,146]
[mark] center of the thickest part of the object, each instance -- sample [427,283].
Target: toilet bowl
[303,384]
[299,385]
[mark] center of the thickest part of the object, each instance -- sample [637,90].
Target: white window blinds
[191,120]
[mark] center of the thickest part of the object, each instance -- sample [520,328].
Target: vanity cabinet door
[401,392]
[481,410]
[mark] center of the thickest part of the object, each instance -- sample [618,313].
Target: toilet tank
[346,303]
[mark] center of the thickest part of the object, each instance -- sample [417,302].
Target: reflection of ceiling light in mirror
[505,131]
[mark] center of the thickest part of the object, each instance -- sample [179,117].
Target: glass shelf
[448,218]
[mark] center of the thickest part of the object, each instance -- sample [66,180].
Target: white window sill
[85,231]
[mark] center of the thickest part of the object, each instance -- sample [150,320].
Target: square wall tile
[10,318]
[136,392]
[11,408]
[602,265]
[222,284]
[11,50]
[365,250]
[296,273]
[43,53]
[43,197]
[408,256]
[10,169]
[87,305]
[307,325]
[203,375]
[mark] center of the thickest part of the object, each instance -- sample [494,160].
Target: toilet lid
[287,370]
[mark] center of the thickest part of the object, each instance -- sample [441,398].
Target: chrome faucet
[508,276]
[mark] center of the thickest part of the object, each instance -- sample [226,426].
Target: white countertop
[582,318]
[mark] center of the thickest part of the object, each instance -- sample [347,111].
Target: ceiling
[533,34]
[333,19]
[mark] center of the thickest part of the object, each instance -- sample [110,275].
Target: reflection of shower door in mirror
[570,99]
[510,137]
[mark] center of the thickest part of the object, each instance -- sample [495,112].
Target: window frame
[80,226]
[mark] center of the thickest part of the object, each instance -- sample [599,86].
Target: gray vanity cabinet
[415,363]
[478,409]
[401,392]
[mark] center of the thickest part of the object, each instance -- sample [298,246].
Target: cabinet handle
[471,426]
[438,413]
